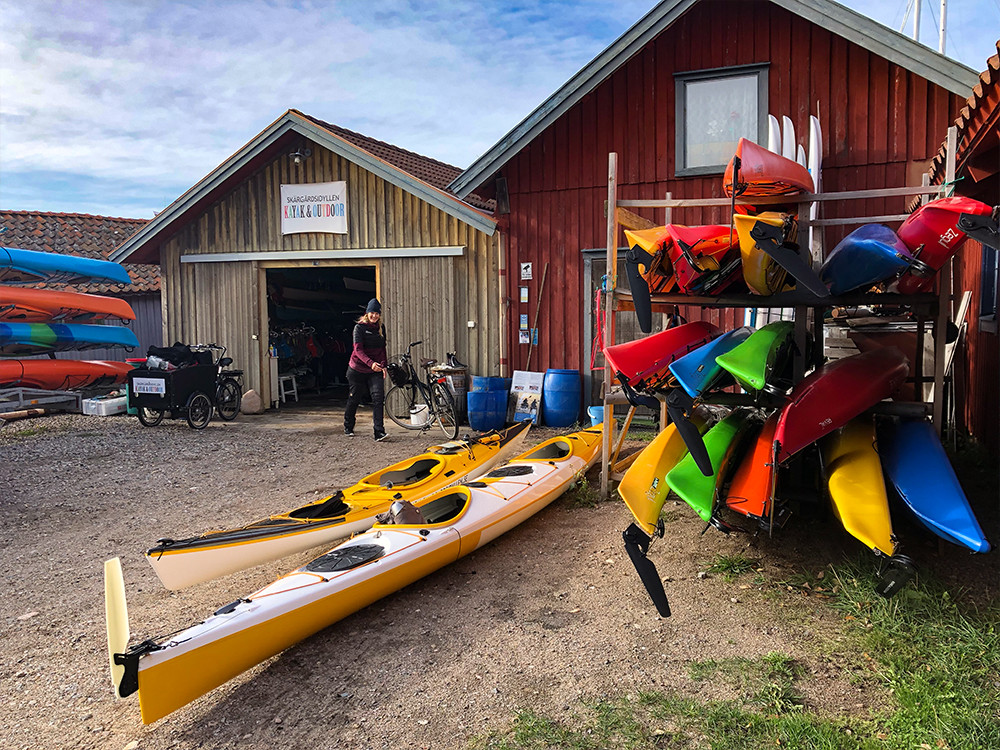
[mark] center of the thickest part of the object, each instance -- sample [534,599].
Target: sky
[117,108]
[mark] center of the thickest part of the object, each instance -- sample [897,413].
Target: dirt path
[546,616]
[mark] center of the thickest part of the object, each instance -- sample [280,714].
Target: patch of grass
[30,432]
[731,566]
[584,495]
[767,683]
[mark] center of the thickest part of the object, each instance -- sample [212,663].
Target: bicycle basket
[397,373]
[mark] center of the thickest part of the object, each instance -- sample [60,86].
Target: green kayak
[688,481]
[758,361]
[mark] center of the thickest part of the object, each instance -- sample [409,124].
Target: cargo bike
[193,391]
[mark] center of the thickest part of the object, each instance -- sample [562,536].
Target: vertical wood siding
[881,124]
[430,299]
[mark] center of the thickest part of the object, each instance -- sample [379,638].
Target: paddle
[680,406]
[771,240]
[637,545]
[983,229]
[640,289]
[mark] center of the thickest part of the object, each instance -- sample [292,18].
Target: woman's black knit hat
[374,306]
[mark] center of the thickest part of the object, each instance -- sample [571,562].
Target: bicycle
[229,384]
[416,404]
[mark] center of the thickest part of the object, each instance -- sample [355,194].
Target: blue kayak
[915,462]
[866,256]
[696,372]
[30,266]
[40,338]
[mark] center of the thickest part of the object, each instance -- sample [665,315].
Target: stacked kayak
[868,255]
[30,266]
[19,339]
[26,305]
[180,563]
[414,540]
[61,374]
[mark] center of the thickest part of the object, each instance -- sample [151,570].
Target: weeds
[731,566]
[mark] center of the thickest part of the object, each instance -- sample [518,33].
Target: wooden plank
[629,220]
[878,106]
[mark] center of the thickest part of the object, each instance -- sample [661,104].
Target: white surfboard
[773,135]
[800,156]
[787,138]
[815,169]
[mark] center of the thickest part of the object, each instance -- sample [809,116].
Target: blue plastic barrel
[487,410]
[561,397]
[485,383]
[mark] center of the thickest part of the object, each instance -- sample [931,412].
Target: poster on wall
[314,207]
[526,396]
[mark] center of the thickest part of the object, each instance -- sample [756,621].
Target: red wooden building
[977,170]
[670,96]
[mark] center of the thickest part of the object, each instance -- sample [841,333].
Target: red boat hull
[709,245]
[26,305]
[766,173]
[645,362]
[836,393]
[753,483]
[61,374]
[935,227]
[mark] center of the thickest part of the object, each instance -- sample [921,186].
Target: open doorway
[311,315]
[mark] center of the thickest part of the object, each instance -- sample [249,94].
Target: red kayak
[699,255]
[763,172]
[25,305]
[753,483]
[644,363]
[61,374]
[834,394]
[931,233]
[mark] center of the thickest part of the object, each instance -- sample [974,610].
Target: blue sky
[116,108]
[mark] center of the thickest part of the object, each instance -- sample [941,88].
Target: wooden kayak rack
[933,308]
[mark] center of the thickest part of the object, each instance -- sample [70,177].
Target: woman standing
[366,369]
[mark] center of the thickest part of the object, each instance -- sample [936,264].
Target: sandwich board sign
[526,396]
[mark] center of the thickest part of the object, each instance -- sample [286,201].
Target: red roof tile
[79,234]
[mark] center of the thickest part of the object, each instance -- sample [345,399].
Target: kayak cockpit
[550,450]
[439,509]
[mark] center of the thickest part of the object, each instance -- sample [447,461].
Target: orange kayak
[763,172]
[61,374]
[25,305]
[753,483]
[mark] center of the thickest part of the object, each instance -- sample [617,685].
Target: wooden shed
[669,96]
[233,274]
[977,164]
[92,237]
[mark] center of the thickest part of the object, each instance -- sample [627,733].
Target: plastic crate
[104,407]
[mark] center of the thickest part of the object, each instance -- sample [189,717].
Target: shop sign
[314,207]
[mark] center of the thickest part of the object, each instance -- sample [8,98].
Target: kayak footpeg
[129,682]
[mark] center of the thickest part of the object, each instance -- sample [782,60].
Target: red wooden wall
[881,124]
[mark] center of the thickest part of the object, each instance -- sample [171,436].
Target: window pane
[718,113]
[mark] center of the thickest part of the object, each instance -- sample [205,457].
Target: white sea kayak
[180,563]
[415,540]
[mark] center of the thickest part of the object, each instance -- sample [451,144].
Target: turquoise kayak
[40,338]
[30,266]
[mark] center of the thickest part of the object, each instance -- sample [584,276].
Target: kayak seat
[333,506]
[554,450]
[415,472]
[444,508]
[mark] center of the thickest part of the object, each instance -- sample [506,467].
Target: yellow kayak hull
[857,487]
[644,487]
[761,272]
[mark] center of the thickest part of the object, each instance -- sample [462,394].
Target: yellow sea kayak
[180,563]
[761,272]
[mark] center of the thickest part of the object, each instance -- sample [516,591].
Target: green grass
[937,659]
[584,495]
[731,566]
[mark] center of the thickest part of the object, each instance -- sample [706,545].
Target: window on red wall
[714,109]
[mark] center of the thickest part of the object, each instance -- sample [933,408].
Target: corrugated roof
[83,235]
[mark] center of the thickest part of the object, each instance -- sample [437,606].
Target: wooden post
[609,320]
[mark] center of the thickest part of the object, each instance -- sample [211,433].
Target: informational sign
[314,207]
[524,322]
[526,395]
[523,337]
[524,294]
[149,385]
[525,272]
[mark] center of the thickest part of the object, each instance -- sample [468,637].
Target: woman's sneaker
[349,432]
[380,436]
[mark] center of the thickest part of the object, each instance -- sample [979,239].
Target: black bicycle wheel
[199,410]
[445,413]
[150,417]
[228,398]
[407,407]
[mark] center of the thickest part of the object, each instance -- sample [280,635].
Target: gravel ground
[547,616]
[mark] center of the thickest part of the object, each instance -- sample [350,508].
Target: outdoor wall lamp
[299,154]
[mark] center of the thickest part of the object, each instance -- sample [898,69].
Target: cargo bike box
[188,392]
